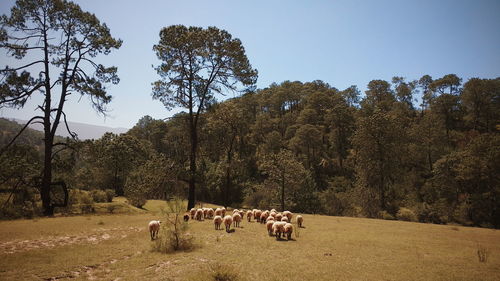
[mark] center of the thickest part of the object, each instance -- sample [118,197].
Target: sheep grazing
[279,216]
[154,227]
[300,220]
[199,214]
[210,213]
[186,217]
[269,226]
[249,215]
[278,229]
[236,219]
[288,230]
[257,215]
[285,219]
[272,214]
[242,214]
[218,212]
[217,222]
[192,212]
[264,216]
[205,213]
[269,219]
[289,215]
[228,220]
[223,211]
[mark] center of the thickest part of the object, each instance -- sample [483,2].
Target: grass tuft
[220,272]
[482,253]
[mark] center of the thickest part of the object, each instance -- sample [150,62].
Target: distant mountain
[84,131]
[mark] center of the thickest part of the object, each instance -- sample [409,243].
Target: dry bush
[219,272]
[173,234]
[405,214]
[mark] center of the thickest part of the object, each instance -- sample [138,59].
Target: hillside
[118,247]
[84,131]
[9,129]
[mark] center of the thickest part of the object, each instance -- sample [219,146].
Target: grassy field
[118,247]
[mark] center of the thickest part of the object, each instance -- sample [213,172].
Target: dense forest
[307,147]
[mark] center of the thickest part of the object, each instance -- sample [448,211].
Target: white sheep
[242,214]
[217,222]
[269,226]
[289,215]
[273,210]
[199,214]
[228,220]
[288,230]
[264,216]
[285,219]
[278,216]
[257,214]
[192,212]
[278,229]
[236,219]
[249,215]
[218,212]
[235,210]
[154,227]
[210,213]
[223,211]
[269,219]
[300,220]
[273,214]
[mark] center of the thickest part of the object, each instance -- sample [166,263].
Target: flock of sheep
[277,224]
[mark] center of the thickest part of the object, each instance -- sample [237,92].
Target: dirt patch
[95,237]
[89,271]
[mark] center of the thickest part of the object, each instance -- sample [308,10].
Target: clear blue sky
[340,42]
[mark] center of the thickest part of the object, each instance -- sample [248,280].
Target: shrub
[110,194]
[405,214]
[461,214]
[80,201]
[221,272]
[437,212]
[137,200]
[78,196]
[173,234]
[99,196]
[385,215]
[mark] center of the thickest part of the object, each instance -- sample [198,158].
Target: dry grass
[328,248]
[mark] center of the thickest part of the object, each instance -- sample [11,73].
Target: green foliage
[153,179]
[79,202]
[284,177]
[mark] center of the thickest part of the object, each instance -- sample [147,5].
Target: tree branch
[73,134]
[19,68]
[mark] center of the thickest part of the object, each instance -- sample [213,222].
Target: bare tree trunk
[48,209]
[192,168]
